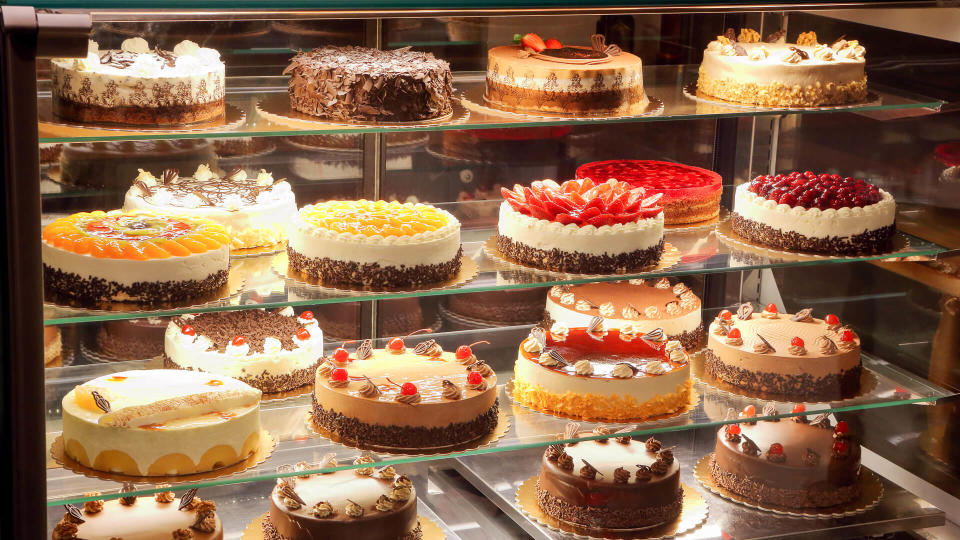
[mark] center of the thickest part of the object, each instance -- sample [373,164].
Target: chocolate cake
[518,306]
[111,164]
[131,339]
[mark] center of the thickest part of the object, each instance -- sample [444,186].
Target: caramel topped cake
[356,83]
[161,422]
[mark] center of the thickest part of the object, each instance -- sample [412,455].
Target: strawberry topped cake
[690,194]
[580,226]
[819,213]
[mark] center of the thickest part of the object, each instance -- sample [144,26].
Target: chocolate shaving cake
[356,83]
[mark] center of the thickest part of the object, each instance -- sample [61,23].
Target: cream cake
[645,304]
[161,422]
[601,373]
[365,503]
[778,74]
[144,257]
[596,80]
[139,85]
[375,243]
[406,398]
[792,355]
[580,226]
[254,210]
[271,351]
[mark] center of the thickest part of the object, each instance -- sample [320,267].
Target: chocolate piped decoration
[129,500]
[596,325]
[659,467]
[554,451]
[409,399]
[644,473]
[481,367]
[75,513]
[731,436]
[626,439]
[665,455]
[101,401]
[822,420]
[802,419]
[565,462]
[801,53]
[621,476]
[775,37]
[187,498]
[749,447]
[770,410]
[369,389]
[774,457]
[450,390]
[365,349]
[653,445]
[826,345]
[805,314]
[588,471]
[654,335]
[745,311]
[810,458]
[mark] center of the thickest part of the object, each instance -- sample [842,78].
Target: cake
[137,85]
[791,355]
[791,462]
[270,351]
[254,210]
[52,345]
[582,227]
[159,422]
[601,373]
[160,516]
[375,243]
[774,73]
[645,304]
[353,141]
[366,503]
[612,483]
[131,339]
[240,149]
[405,398]
[110,164]
[50,154]
[356,83]
[690,194]
[525,144]
[94,257]
[548,77]
[823,213]
[511,306]
[395,316]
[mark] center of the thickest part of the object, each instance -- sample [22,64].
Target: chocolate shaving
[767,343]
[555,354]
[143,187]
[804,315]
[749,447]
[654,335]
[592,304]
[74,513]
[166,56]
[233,173]
[636,311]
[595,325]
[570,430]
[287,491]
[770,410]
[170,176]
[822,420]
[187,498]
[423,348]
[204,198]
[539,335]
[101,401]
[842,37]
[775,37]
[365,349]
[744,311]
[598,42]
[730,34]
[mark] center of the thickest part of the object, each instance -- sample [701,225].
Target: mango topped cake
[161,422]
[601,373]
[146,257]
[375,243]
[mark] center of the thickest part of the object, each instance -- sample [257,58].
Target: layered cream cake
[254,210]
[399,397]
[792,355]
[596,80]
[145,257]
[580,226]
[271,351]
[644,304]
[775,73]
[375,243]
[140,85]
[601,373]
[366,503]
[161,422]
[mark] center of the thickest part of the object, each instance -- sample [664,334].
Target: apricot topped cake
[375,243]
[134,257]
[161,422]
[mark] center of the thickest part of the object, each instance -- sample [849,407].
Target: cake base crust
[126,114]
[754,490]
[868,243]
[91,292]
[684,211]
[372,274]
[600,406]
[268,384]
[606,518]
[557,260]
[801,387]
[631,100]
[777,94]
[270,532]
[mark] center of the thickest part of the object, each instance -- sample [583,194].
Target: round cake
[614,483]
[361,504]
[406,398]
[161,516]
[356,83]
[792,463]
[550,77]
[791,355]
[255,211]
[139,85]
[110,164]
[271,351]
[582,227]
[93,257]
[598,373]
[774,73]
[159,422]
[524,144]
[375,243]
[512,306]
[641,303]
[131,339]
[690,194]
[52,345]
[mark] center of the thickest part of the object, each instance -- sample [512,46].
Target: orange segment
[134,251]
[153,251]
[83,245]
[174,248]
[193,245]
[372,218]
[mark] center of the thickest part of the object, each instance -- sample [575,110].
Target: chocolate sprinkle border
[372,274]
[606,518]
[868,243]
[802,387]
[92,292]
[557,260]
[757,491]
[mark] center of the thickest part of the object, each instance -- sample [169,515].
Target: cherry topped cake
[690,194]
[581,226]
[818,213]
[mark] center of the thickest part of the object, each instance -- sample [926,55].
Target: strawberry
[552,207]
[594,202]
[650,212]
[615,207]
[629,218]
[588,213]
[533,41]
[565,219]
[554,43]
[601,219]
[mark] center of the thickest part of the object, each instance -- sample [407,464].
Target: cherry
[395,344]
[733,429]
[474,377]
[341,355]
[840,447]
[308,315]
[465,351]
[831,319]
[726,315]
[302,333]
[772,308]
[339,374]
[750,410]
[799,408]
[776,449]
[409,389]
[846,336]
[238,341]
[788,199]
[796,342]
[734,333]
[188,330]
[841,428]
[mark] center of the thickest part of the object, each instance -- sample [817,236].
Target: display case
[338,297]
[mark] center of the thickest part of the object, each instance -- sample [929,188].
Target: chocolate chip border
[756,491]
[94,291]
[801,387]
[372,274]
[556,260]
[268,384]
[868,243]
[606,518]
[270,532]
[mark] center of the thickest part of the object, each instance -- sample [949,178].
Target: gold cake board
[429,528]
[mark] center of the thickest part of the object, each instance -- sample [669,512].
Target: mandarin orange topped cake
[146,257]
[375,243]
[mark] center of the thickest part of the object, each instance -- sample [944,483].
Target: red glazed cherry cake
[690,194]
[582,227]
[819,213]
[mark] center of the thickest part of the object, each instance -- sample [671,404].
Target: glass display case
[304,260]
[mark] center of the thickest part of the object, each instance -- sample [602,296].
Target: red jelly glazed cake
[690,194]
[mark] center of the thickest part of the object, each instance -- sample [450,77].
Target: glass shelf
[528,429]
[663,82]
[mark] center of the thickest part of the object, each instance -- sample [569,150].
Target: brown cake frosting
[131,339]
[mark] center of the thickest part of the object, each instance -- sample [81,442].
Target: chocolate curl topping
[170,176]
[769,409]
[745,311]
[822,420]
[75,513]
[101,401]
[233,173]
[767,343]
[365,349]
[595,325]
[803,54]
[654,335]
[423,348]
[571,429]
[805,314]
[775,37]
[187,498]
[287,491]
[539,335]
[200,195]
[143,187]
[749,447]
[555,354]
[598,42]
[588,471]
